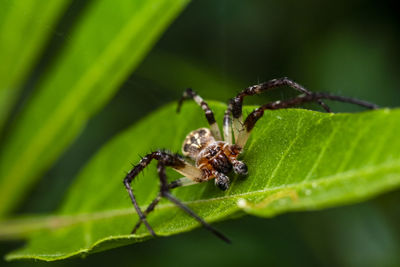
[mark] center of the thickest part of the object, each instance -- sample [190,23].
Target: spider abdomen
[196,141]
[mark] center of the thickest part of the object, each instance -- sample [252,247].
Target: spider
[214,157]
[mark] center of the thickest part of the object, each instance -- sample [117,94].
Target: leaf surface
[107,44]
[297,160]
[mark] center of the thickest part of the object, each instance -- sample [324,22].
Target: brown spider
[215,158]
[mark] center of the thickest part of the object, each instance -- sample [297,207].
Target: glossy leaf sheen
[106,45]
[297,160]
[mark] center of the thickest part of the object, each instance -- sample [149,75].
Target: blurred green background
[218,48]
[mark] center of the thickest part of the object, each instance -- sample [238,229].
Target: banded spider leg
[192,175]
[242,129]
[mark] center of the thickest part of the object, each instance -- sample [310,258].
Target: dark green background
[219,47]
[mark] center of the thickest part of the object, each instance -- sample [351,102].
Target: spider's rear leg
[190,94]
[256,114]
[237,102]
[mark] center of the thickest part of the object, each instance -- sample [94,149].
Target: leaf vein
[285,153]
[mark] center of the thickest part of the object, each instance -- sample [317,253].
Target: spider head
[240,167]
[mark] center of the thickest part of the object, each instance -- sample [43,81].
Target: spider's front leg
[193,175]
[129,178]
[168,159]
[174,184]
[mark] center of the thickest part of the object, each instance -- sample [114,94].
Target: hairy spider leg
[184,181]
[256,114]
[177,163]
[237,102]
[166,193]
[190,94]
[149,209]
[170,160]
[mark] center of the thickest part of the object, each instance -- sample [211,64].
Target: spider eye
[240,168]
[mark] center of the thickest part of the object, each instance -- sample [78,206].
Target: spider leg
[177,163]
[149,209]
[174,184]
[138,210]
[227,124]
[194,215]
[190,94]
[237,102]
[222,181]
[166,193]
[171,160]
[256,114]
[184,181]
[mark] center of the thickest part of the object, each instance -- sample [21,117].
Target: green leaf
[297,160]
[24,28]
[107,44]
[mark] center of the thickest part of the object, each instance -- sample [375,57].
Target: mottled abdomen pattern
[196,141]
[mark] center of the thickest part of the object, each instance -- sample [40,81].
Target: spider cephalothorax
[214,157]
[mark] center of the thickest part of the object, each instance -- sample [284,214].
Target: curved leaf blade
[297,159]
[108,43]
[24,28]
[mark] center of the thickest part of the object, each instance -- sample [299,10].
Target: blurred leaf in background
[25,26]
[106,45]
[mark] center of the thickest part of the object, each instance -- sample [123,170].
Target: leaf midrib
[54,222]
